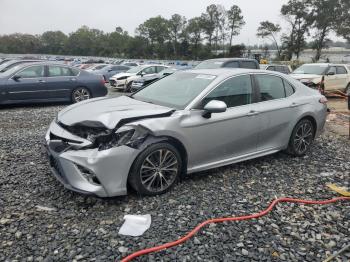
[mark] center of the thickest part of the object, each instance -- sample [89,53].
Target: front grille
[112,82]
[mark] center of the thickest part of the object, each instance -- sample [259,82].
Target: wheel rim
[81,94]
[303,137]
[159,170]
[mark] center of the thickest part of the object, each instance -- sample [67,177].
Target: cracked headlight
[132,136]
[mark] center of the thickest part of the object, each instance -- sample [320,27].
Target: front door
[224,135]
[330,79]
[28,84]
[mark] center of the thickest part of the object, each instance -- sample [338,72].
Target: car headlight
[122,78]
[131,136]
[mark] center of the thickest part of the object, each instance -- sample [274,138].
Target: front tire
[156,169]
[128,87]
[80,94]
[347,89]
[302,137]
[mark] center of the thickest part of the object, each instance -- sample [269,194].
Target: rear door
[277,111]
[60,82]
[29,85]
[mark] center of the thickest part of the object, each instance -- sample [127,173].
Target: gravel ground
[40,220]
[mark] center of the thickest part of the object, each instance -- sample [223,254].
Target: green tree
[324,15]
[235,21]
[270,30]
[194,31]
[295,12]
[209,22]
[53,42]
[343,24]
[176,25]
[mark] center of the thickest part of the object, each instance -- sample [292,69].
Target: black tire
[80,94]
[128,87]
[347,89]
[302,137]
[147,175]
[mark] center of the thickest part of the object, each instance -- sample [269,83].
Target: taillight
[323,100]
[103,81]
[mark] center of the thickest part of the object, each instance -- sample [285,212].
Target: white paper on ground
[135,225]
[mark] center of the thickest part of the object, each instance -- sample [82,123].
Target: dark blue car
[48,82]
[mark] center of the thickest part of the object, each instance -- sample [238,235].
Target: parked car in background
[146,80]
[228,63]
[96,67]
[123,81]
[48,82]
[187,122]
[130,64]
[285,69]
[11,63]
[4,60]
[330,76]
[109,70]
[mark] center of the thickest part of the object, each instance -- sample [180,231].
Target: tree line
[211,34]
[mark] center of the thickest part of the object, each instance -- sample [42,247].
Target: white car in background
[123,81]
[332,76]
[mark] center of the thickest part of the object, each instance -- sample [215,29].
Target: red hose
[219,220]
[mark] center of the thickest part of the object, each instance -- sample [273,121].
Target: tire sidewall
[134,178]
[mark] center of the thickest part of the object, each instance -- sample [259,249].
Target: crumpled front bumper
[110,167]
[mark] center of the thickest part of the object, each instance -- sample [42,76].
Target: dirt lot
[42,221]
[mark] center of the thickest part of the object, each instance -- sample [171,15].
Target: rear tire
[302,137]
[156,170]
[80,94]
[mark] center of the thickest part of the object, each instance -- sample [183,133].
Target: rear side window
[59,71]
[248,64]
[75,71]
[341,70]
[236,91]
[160,68]
[232,64]
[289,89]
[270,68]
[271,87]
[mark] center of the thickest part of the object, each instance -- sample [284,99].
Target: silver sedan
[184,123]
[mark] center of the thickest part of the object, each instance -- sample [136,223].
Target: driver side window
[236,91]
[32,72]
[331,70]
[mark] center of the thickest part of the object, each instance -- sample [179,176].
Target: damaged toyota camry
[188,122]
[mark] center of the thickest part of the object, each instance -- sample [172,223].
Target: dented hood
[109,111]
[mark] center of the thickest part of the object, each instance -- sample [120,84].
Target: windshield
[209,65]
[176,90]
[135,70]
[311,69]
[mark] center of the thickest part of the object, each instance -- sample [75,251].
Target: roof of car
[231,59]
[223,72]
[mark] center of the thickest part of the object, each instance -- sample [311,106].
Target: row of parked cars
[30,80]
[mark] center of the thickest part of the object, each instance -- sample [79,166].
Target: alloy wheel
[303,137]
[159,170]
[81,94]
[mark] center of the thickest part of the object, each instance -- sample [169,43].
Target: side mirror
[16,77]
[110,70]
[330,74]
[214,106]
[141,74]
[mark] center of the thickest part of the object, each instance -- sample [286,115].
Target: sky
[38,16]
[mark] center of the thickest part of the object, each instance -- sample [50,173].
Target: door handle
[73,79]
[253,113]
[41,81]
[294,105]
